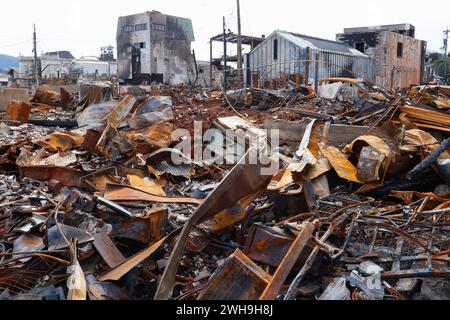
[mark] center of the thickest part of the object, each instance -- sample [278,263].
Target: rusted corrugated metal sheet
[281,57]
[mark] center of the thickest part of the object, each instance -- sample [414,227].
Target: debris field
[93,205]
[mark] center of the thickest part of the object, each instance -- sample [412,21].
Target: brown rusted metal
[122,269]
[18,111]
[54,186]
[290,295]
[122,193]
[69,177]
[239,278]
[241,181]
[267,245]
[280,276]
[108,251]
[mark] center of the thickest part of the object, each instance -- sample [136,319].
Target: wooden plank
[107,250]
[426,126]
[424,114]
[291,257]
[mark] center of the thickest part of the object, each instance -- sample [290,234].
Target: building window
[139,45]
[275,49]
[399,49]
[360,46]
[140,27]
[158,27]
[128,29]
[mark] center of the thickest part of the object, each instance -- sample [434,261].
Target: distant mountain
[7,62]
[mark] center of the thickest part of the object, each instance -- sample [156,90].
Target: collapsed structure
[58,65]
[398,56]
[311,183]
[357,193]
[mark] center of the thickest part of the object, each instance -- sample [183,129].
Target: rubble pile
[94,206]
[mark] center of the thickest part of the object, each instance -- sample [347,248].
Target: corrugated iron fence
[308,63]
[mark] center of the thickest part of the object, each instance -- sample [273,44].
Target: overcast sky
[83,26]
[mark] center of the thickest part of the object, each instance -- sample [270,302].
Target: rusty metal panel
[239,278]
[266,245]
[288,262]
[145,230]
[67,176]
[108,250]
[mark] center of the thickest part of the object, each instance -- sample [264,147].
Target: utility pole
[446,54]
[36,72]
[224,57]
[239,46]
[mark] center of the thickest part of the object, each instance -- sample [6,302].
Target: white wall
[89,66]
[51,65]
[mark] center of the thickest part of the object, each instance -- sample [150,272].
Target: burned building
[51,65]
[154,47]
[398,56]
[305,59]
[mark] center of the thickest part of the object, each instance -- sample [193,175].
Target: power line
[14,44]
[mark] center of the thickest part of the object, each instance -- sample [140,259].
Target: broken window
[275,49]
[157,77]
[158,27]
[140,27]
[139,45]
[360,46]
[399,49]
[128,28]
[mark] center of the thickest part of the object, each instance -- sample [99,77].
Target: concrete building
[26,67]
[51,65]
[205,72]
[94,67]
[399,57]
[304,59]
[4,80]
[154,47]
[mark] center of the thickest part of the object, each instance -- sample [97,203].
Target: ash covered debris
[93,205]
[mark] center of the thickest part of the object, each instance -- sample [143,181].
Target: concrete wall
[74,89]
[55,67]
[51,66]
[171,51]
[89,66]
[8,94]
[391,71]
[398,72]
[165,52]
[204,78]
[127,39]
[26,67]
